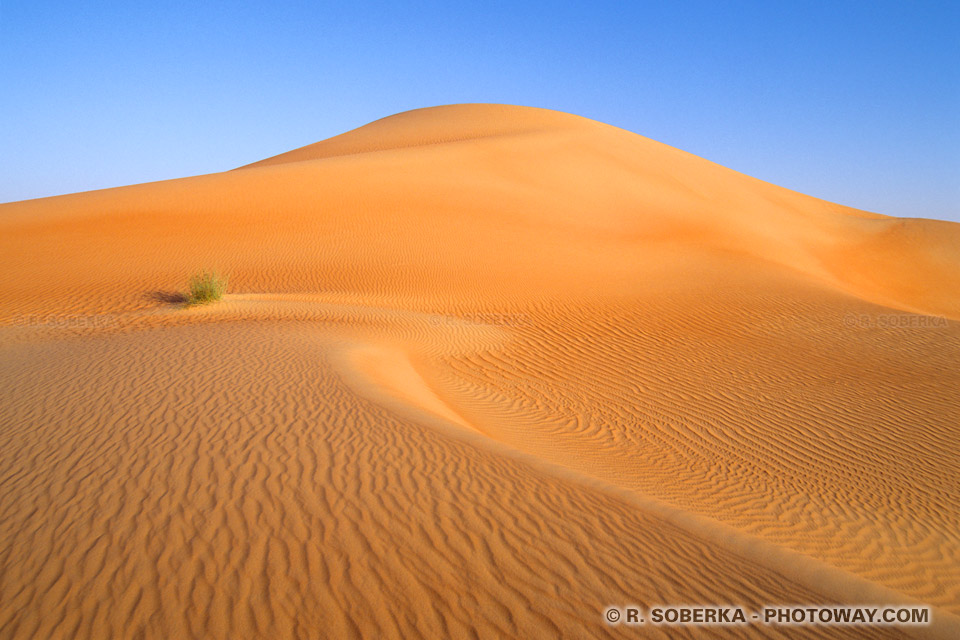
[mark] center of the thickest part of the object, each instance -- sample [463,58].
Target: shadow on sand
[167,297]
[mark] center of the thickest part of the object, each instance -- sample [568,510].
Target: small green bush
[206,287]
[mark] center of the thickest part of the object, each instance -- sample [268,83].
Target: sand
[482,371]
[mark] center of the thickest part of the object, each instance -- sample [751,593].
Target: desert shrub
[206,287]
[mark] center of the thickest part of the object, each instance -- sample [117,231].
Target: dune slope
[484,370]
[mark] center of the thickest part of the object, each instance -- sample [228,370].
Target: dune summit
[483,370]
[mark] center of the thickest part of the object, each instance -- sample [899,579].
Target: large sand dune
[484,370]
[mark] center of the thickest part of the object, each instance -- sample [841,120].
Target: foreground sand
[486,370]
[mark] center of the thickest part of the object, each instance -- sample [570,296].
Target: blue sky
[855,102]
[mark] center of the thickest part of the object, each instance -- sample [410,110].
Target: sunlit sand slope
[485,370]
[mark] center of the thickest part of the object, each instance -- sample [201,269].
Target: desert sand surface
[482,371]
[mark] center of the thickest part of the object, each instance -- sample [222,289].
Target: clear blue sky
[855,102]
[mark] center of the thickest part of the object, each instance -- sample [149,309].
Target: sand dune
[484,371]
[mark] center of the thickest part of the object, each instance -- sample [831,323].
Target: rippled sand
[483,371]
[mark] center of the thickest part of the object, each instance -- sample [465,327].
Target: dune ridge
[486,371]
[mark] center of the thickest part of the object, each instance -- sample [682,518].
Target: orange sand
[484,370]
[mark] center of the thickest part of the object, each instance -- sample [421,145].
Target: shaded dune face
[642,191]
[483,371]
